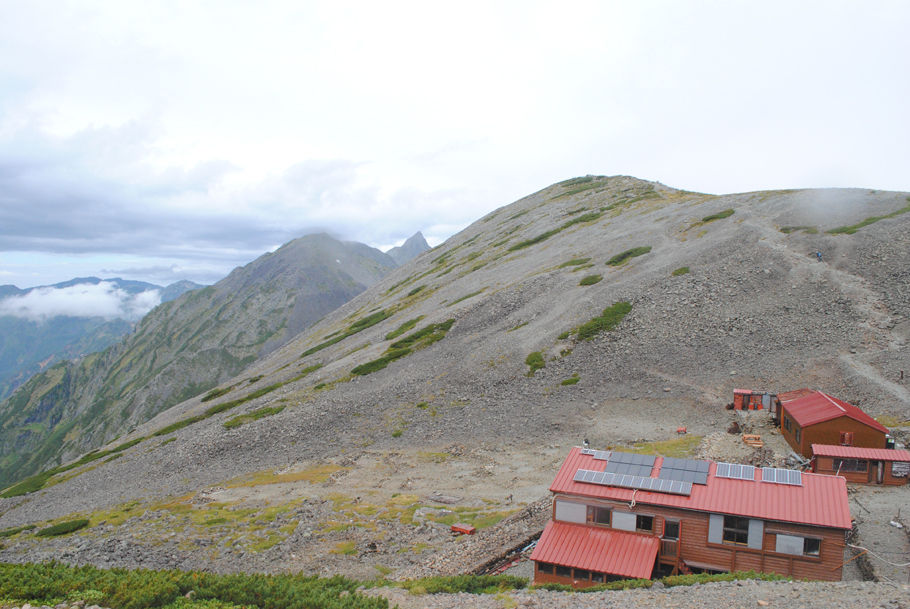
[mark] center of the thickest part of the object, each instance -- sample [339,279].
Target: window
[562,571]
[582,575]
[598,515]
[597,578]
[671,529]
[644,523]
[787,424]
[798,435]
[812,546]
[545,567]
[797,545]
[736,530]
[846,438]
[851,465]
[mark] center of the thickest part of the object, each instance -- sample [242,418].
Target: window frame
[678,529]
[818,546]
[638,522]
[735,532]
[594,511]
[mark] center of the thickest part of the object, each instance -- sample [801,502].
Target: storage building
[862,465]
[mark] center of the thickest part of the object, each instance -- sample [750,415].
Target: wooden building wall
[828,432]
[695,550]
[825,465]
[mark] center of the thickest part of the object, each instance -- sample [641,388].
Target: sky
[170,140]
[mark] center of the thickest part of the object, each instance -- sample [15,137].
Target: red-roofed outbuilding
[618,515]
[813,417]
[862,465]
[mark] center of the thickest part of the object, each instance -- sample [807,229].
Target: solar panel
[735,471]
[791,477]
[685,470]
[645,483]
[588,451]
[602,455]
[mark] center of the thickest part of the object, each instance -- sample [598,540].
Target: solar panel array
[735,471]
[685,470]
[630,464]
[644,483]
[782,476]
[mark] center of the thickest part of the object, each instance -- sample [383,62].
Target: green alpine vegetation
[718,216]
[535,362]
[420,339]
[590,280]
[606,321]
[583,219]
[849,230]
[63,528]
[574,262]
[251,416]
[354,328]
[683,270]
[627,255]
[409,324]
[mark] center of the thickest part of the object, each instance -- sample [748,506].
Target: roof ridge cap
[830,399]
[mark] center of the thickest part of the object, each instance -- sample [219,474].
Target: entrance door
[876,471]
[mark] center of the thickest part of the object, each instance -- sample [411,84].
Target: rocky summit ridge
[606,308]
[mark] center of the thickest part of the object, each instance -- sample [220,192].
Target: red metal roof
[746,391]
[597,549]
[813,407]
[820,501]
[856,452]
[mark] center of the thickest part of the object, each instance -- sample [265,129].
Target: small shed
[810,417]
[862,465]
[747,399]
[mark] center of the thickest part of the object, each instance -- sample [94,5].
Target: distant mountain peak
[413,247]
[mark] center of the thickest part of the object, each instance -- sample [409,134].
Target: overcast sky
[176,140]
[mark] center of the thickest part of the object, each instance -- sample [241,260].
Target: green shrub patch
[604,322]
[627,255]
[535,362]
[403,328]
[359,325]
[849,230]
[590,280]
[63,528]
[718,216]
[683,270]
[254,415]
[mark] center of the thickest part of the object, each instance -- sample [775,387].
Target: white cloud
[82,300]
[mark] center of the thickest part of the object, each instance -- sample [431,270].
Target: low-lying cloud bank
[82,300]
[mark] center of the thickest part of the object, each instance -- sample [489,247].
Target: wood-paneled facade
[833,431]
[701,541]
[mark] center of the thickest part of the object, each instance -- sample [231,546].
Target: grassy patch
[354,328]
[465,297]
[585,218]
[535,362]
[682,447]
[63,528]
[571,380]
[16,530]
[50,583]
[627,255]
[849,230]
[574,262]
[590,279]
[249,417]
[470,584]
[892,421]
[606,321]
[378,364]
[518,326]
[812,230]
[403,328]
[718,216]
[683,270]
[216,393]
[316,474]
[416,290]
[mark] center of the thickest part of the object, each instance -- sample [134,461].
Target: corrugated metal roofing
[597,549]
[856,452]
[811,407]
[821,500]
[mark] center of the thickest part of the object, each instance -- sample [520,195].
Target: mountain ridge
[645,304]
[182,348]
